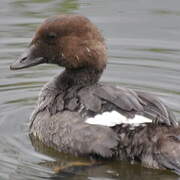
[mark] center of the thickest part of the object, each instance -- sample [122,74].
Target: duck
[77,114]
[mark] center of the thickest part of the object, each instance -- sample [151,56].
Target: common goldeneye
[77,114]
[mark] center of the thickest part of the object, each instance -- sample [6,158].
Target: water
[143,38]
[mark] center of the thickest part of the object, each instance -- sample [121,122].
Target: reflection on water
[143,41]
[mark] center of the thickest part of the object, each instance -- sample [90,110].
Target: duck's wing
[128,102]
[154,108]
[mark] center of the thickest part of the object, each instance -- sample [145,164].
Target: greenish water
[143,38]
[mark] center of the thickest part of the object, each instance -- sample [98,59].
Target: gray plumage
[59,118]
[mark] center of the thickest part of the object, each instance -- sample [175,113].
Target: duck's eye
[51,35]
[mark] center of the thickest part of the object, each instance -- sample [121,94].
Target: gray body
[59,121]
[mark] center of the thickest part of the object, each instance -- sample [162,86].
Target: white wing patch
[113,118]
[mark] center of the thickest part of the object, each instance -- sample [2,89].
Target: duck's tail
[167,152]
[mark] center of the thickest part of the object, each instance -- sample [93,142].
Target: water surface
[143,39]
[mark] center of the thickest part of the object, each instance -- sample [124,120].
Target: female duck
[76,114]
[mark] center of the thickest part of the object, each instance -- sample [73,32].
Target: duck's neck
[77,77]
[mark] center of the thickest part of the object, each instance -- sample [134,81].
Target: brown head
[71,41]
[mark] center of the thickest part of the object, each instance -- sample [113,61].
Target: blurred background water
[143,39]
